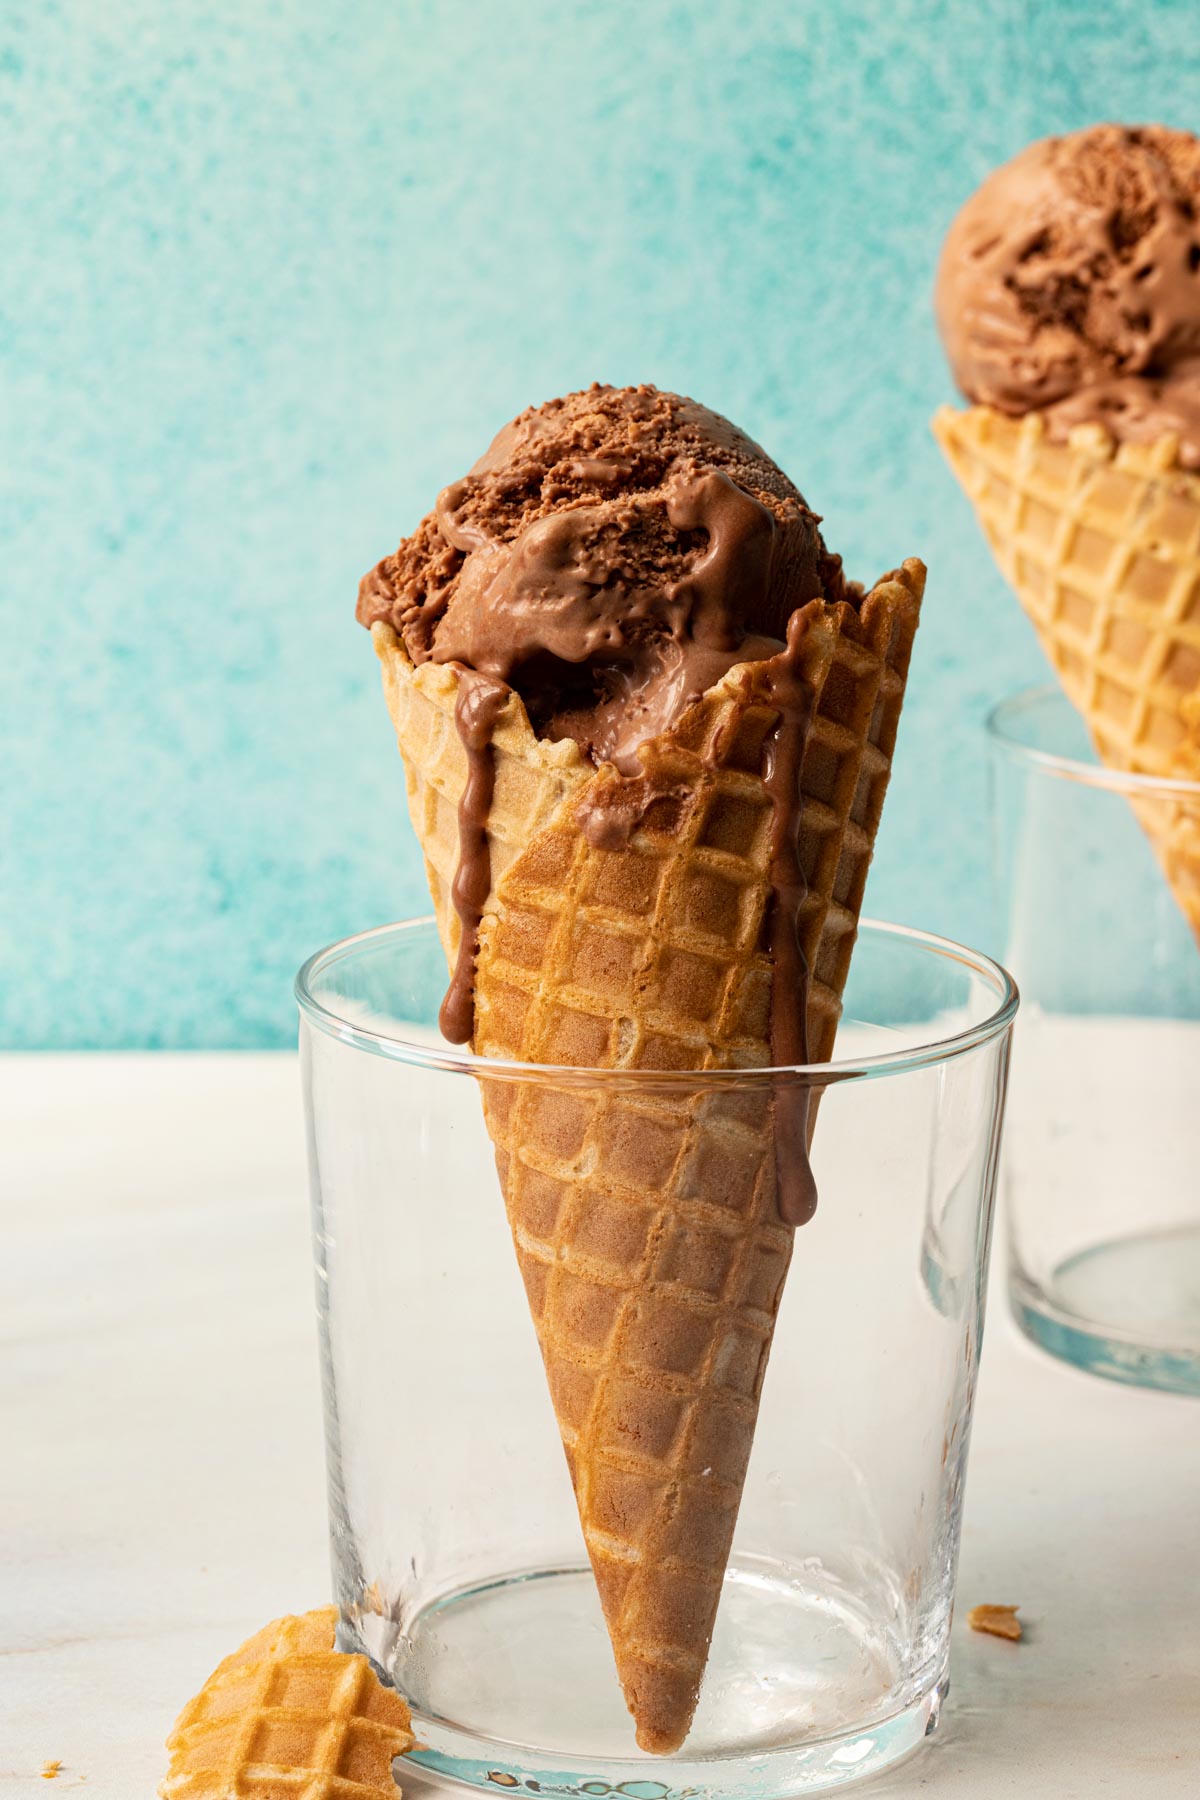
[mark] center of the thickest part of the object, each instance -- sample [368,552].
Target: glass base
[802,1692]
[1128,1309]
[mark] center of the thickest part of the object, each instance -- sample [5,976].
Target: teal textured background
[272,273]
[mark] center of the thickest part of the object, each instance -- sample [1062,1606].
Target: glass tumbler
[458,1558]
[1097,873]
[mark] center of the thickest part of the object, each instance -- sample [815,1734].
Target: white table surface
[161,1479]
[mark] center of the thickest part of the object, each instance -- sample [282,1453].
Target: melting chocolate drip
[790,693]
[604,640]
[730,584]
[479,704]
[610,812]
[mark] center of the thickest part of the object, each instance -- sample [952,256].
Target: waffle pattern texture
[288,1717]
[644,1216]
[1102,545]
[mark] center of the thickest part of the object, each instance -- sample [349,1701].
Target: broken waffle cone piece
[1102,546]
[996,1621]
[647,1221]
[289,1717]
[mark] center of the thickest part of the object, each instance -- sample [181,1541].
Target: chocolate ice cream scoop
[1069,284]
[610,557]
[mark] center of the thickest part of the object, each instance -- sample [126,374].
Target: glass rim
[453,1059]
[1071,768]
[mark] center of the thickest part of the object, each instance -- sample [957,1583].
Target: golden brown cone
[646,1224]
[289,1717]
[1102,546]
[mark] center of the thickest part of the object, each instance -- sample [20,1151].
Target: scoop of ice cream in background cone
[1068,298]
[647,730]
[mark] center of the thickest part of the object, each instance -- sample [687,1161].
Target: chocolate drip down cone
[627,926]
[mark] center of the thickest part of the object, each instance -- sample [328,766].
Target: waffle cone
[1102,545]
[645,1221]
[288,1717]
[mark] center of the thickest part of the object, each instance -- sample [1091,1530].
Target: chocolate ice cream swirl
[1069,285]
[610,557]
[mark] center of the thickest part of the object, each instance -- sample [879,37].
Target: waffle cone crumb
[996,1621]
[289,1717]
